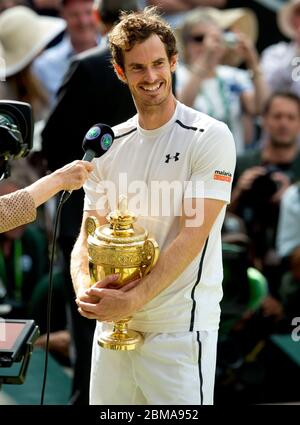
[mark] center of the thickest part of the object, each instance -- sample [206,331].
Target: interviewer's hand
[73,176]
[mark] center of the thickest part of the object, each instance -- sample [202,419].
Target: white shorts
[169,368]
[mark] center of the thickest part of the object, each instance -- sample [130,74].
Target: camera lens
[230,39]
[16,127]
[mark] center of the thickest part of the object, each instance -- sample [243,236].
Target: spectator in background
[238,20]
[203,83]
[23,36]
[91,93]
[81,34]
[263,175]
[280,62]
[288,236]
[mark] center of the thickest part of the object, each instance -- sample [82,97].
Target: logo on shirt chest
[170,157]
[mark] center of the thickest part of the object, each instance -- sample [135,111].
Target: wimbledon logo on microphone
[93,133]
[106,139]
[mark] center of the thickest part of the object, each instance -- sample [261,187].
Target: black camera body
[16,132]
[16,136]
[264,186]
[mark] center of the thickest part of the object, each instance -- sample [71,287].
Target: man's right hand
[83,295]
[247,178]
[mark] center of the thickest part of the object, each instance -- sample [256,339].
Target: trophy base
[124,341]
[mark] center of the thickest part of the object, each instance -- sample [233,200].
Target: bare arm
[19,207]
[70,177]
[116,304]
[253,103]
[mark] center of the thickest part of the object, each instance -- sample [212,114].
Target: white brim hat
[239,19]
[284,18]
[23,35]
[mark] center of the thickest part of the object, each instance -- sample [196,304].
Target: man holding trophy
[175,165]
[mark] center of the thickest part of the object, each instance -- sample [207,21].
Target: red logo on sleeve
[224,176]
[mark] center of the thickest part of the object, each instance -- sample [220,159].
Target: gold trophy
[124,248]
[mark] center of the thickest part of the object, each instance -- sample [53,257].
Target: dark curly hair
[135,27]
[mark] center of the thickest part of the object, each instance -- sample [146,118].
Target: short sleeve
[213,164]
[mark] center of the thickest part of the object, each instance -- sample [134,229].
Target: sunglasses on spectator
[198,38]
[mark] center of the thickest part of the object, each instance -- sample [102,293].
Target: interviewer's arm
[70,177]
[16,208]
[19,207]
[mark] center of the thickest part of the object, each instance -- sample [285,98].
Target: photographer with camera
[204,83]
[263,175]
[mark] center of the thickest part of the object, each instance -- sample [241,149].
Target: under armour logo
[175,157]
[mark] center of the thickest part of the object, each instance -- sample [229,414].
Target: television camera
[17,337]
[16,132]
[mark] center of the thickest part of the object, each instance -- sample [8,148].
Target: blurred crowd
[54,54]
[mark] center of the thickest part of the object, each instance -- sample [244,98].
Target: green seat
[258,286]
[58,388]
[244,287]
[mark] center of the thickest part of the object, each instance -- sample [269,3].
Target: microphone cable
[96,142]
[49,298]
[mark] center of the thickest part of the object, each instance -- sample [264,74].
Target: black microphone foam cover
[98,139]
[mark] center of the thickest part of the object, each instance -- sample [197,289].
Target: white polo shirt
[191,156]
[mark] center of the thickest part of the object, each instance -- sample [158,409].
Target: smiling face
[148,73]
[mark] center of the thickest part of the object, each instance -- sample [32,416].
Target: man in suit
[91,93]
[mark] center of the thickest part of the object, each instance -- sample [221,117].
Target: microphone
[96,142]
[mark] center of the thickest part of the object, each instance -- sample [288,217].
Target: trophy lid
[121,219]
[121,227]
